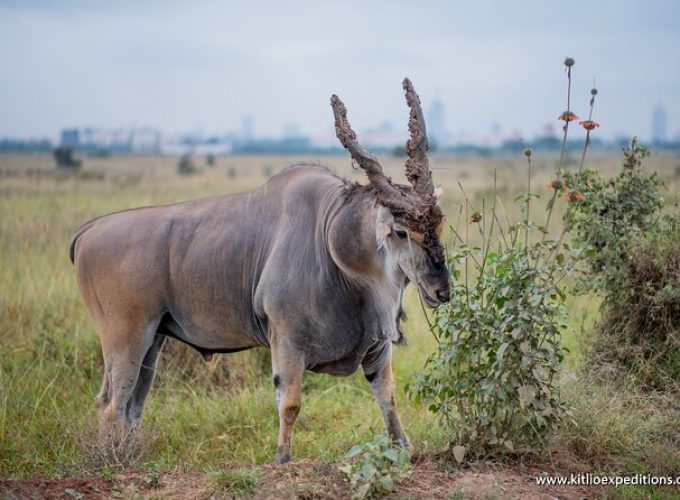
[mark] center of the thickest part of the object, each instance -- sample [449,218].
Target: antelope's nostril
[443,294]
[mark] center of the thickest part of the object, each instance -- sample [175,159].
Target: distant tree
[186,165]
[399,151]
[64,158]
[210,160]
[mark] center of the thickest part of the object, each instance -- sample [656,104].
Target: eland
[310,265]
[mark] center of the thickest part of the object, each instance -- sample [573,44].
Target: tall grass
[198,415]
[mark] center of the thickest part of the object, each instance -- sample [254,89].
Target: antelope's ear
[382,230]
[383,227]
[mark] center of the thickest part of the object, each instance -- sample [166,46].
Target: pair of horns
[417,166]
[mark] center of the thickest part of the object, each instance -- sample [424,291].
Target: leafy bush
[376,468]
[186,166]
[613,215]
[640,325]
[493,378]
[633,258]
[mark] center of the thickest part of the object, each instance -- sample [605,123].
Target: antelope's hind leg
[124,349]
[147,374]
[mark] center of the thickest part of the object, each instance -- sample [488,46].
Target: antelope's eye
[401,234]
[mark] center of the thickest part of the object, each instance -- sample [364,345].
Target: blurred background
[215,77]
[110,105]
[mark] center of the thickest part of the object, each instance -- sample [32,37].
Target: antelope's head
[409,221]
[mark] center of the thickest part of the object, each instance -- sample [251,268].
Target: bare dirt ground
[303,480]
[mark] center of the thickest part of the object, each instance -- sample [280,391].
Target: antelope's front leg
[378,371]
[288,368]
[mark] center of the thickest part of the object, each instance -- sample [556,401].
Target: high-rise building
[659,125]
[435,124]
[70,138]
[247,128]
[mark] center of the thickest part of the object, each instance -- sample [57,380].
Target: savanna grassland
[210,426]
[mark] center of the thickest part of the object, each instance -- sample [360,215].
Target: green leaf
[362,491]
[527,393]
[356,449]
[501,350]
[550,204]
[459,453]
[368,470]
[347,469]
[387,482]
[391,454]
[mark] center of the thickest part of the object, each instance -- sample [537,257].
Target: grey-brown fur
[309,265]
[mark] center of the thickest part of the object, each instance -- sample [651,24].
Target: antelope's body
[309,265]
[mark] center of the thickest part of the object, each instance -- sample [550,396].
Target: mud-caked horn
[417,166]
[387,192]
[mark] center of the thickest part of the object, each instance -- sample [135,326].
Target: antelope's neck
[354,247]
[352,241]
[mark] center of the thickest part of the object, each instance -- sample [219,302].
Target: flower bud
[476,217]
[569,62]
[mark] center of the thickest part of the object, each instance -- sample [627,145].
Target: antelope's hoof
[282,458]
[402,442]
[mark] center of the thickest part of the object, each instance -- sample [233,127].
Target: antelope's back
[202,261]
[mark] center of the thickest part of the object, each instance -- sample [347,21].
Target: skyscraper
[659,125]
[435,124]
[247,128]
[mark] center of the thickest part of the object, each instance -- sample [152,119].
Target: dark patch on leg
[401,316]
[370,377]
[291,414]
[277,380]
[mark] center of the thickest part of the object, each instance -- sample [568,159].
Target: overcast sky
[203,65]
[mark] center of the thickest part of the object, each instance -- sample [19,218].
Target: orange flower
[567,116]
[476,217]
[588,124]
[557,185]
[574,196]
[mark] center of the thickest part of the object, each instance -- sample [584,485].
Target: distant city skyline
[268,68]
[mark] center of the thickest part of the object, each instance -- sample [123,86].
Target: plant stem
[562,155]
[570,209]
[566,123]
[587,143]
[467,252]
[526,234]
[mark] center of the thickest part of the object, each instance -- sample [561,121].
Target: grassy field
[200,415]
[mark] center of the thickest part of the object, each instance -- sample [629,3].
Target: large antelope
[310,265]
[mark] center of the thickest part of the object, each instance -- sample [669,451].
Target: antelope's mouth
[430,301]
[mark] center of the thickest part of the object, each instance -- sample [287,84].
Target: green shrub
[493,378]
[639,330]
[376,468]
[632,257]
[186,166]
[613,216]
